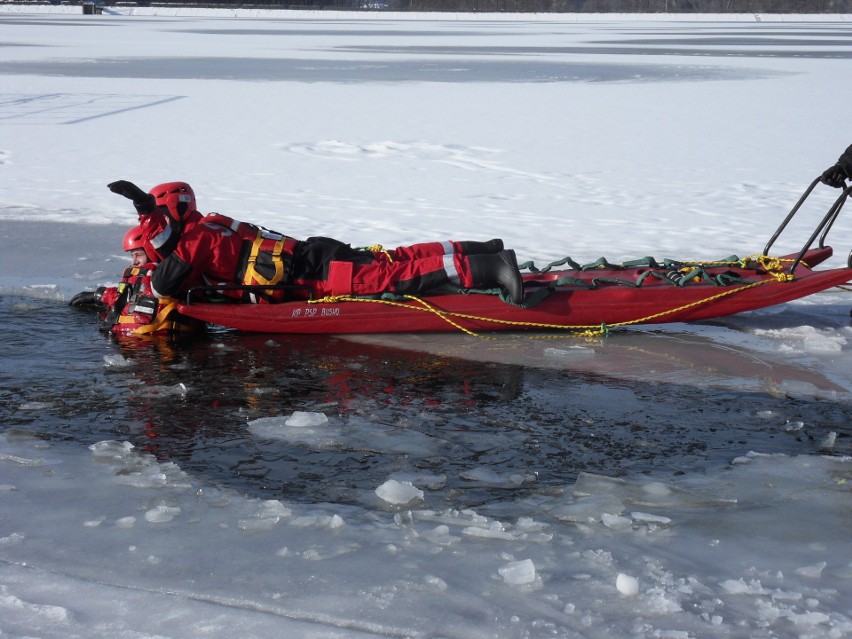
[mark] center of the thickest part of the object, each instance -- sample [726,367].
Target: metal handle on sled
[822,228]
[246,287]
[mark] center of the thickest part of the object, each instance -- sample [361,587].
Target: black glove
[834,176]
[88,298]
[144,202]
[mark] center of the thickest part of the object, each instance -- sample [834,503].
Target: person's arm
[93,298]
[172,276]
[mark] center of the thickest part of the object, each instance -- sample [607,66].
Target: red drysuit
[216,250]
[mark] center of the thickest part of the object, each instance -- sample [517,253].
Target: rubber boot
[479,248]
[500,268]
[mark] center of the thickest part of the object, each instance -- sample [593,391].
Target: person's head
[134,245]
[177,197]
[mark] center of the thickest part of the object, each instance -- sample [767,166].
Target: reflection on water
[475,431]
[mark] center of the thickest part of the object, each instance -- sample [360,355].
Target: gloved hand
[836,175]
[88,298]
[144,202]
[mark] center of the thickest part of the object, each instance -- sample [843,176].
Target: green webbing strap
[532,268]
[655,269]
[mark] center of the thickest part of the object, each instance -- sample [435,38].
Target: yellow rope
[378,248]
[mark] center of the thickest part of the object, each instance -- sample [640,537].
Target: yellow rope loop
[378,248]
[781,276]
[600,331]
[332,299]
[771,263]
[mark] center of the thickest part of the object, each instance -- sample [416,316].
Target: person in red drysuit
[131,308]
[214,250]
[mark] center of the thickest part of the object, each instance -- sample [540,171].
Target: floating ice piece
[430,481]
[23,461]
[162,514]
[518,573]
[495,530]
[36,613]
[616,522]
[588,509]
[823,343]
[435,582]
[268,514]
[302,419]
[117,360]
[808,619]
[441,535]
[399,493]
[647,518]
[643,493]
[812,572]
[627,585]
[662,601]
[177,390]
[828,441]
[332,522]
[257,524]
[740,587]
[111,449]
[527,524]
[273,508]
[492,478]
[43,291]
[14,538]
[35,406]
[302,428]
[656,489]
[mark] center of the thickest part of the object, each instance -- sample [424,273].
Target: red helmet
[135,239]
[177,197]
[151,235]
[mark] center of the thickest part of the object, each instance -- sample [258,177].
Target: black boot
[500,268]
[480,248]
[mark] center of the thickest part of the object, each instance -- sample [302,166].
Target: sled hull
[568,307]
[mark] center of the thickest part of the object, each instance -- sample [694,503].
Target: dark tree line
[540,6]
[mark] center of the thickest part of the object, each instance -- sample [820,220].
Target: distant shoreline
[173,11]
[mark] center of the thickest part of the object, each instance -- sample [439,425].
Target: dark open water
[390,411]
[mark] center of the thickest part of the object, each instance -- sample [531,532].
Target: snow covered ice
[678,136]
[763,547]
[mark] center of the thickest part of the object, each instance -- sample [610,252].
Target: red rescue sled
[571,299]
